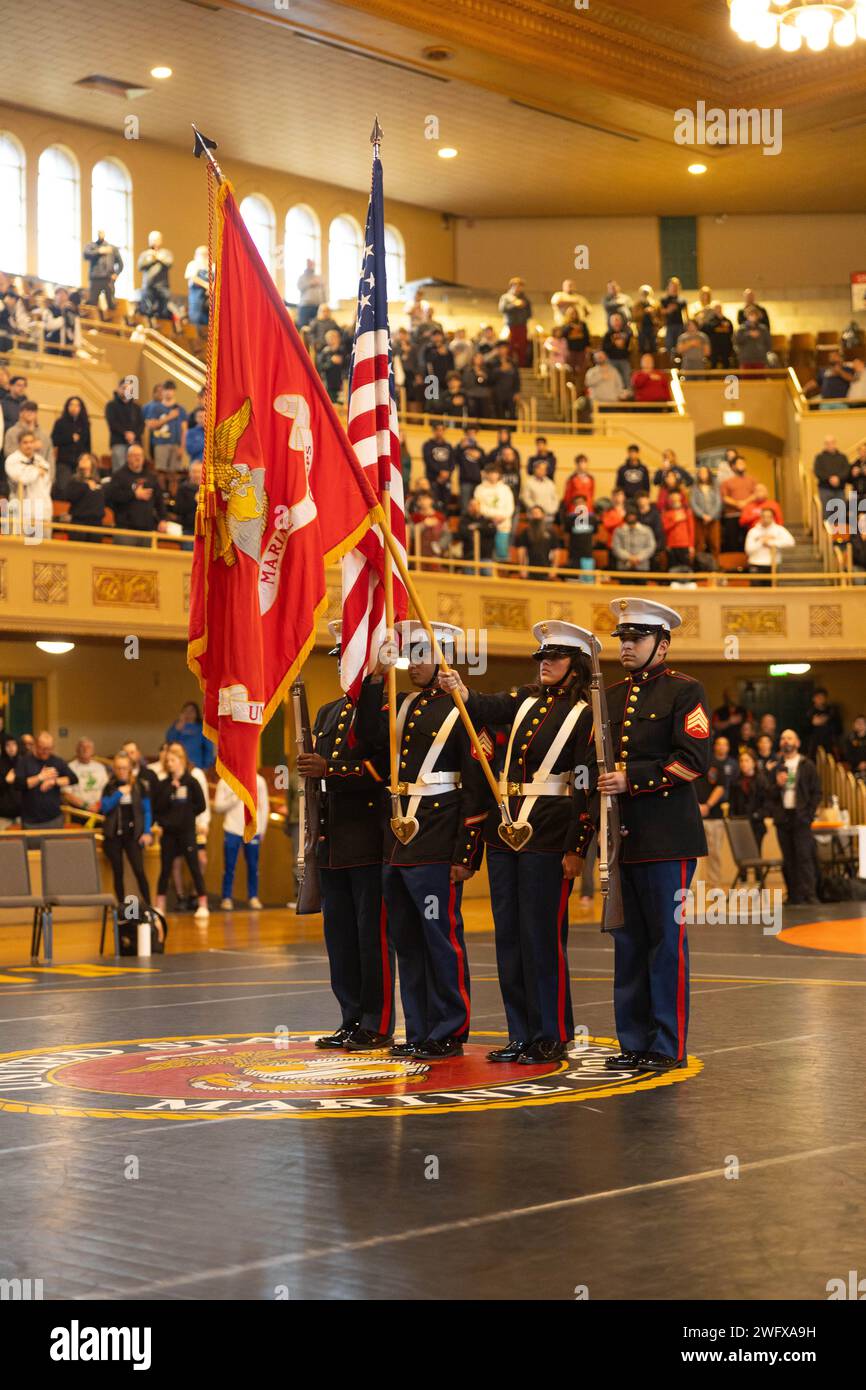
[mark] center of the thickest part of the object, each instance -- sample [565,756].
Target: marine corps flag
[282,496]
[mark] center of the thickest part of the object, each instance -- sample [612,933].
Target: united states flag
[374,432]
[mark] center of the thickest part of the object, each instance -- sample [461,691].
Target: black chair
[17,890]
[70,878]
[744,848]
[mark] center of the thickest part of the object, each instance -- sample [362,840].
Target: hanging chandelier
[793,23]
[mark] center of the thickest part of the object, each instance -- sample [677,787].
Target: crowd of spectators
[168,800]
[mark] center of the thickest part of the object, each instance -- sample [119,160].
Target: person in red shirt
[678,520]
[751,513]
[650,384]
[614,515]
[579,487]
[671,483]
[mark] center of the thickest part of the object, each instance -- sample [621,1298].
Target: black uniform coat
[352,803]
[661,731]
[449,825]
[554,827]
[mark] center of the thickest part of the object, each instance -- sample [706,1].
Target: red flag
[282,497]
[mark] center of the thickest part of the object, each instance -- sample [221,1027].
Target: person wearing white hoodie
[763,542]
[29,474]
[230,804]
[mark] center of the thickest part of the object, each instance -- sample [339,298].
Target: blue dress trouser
[360,956]
[529,898]
[232,845]
[651,959]
[426,926]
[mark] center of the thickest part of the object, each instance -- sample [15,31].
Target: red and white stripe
[374,432]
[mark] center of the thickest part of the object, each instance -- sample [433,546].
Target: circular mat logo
[278,1076]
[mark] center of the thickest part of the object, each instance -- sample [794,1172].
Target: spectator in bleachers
[198,288]
[725,466]
[478,389]
[650,385]
[12,397]
[104,264]
[439,463]
[730,716]
[764,541]
[125,422]
[435,361]
[633,544]
[737,492]
[856,397]
[673,308]
[188,731]
[186,499]
[154,265]
[10,792]
[487,342]
[14,320]
[568,298]
[461,349]
[612,514]
[679,524]
[42,778]
[61,324]
[539,491]
[701,307]
[332,364]
[454,403]
[577,340]
[712,791]
[858,549]
[555,348]
[430,528]
[323,323]
[853,748]
[417,308]
[516,309]
[581,525]
[615,301]
[747,795]
[752,340]
[632,476]
[768,724]
[179,800]
[649,515]
[671,464]
[822,727]
[835,382]
[231,806]
[127,828]
[693,348]
[751,513]
[748,735]
[92,776]
[617,344]
[496,501]
[672,481]
[603,383]
[544,454]
[505,383]
[720,332]
[832,470]
[311,293]
[509,463]
[134,496]
[165,422]
[29,475]
[70,436]
[793,797]
[765,750]
[706,503]
[749,302]
[85,493]
[28,423]
[474,524]
[194,442]
[536,542]
[579,486]
[469,457]
[647,317]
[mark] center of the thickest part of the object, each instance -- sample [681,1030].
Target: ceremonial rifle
[308,896]
[609,830]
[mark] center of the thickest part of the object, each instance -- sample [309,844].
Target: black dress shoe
[509,1053]
[544,1050]
[623,1061]
[405,1049]
[437,1050]
[364,1040]
[334,1042]
[658,1061]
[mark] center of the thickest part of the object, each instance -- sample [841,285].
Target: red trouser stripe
[561,981]
[458,949]
[386,1021]
[681,969]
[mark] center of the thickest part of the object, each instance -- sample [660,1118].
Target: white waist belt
[558,784]
[431,784]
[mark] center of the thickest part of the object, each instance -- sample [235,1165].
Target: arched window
[111,205]
[344,258]
[303,243]
[261,224]
[13,201]
[58,217]
[395,262]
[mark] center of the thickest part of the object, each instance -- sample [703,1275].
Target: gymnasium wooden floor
[168,1132]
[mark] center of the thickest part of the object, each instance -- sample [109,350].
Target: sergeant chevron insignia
[697,723]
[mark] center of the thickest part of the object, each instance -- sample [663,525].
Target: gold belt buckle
[401,788]
[514,789]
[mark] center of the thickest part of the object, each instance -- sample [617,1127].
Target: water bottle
[143,947]
[835,814]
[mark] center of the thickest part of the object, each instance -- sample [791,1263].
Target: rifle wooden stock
[308,896]
[609,830]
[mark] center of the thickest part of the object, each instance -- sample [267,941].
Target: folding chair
[70,878]
[15,877]
[744,848]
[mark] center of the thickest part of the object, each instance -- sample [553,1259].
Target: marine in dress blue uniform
[531,854]
[349,859]
[660,729]
[443,791]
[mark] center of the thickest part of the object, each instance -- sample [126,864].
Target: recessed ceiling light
[697,168]
[55,648]
[447,153]
[160,72]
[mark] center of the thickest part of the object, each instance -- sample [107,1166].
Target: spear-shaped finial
[376,136]
[203,146]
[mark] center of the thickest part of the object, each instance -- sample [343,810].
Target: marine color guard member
[443,797]
[532,864]
[660,729]
[349,856]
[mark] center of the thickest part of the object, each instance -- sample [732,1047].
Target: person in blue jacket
[126,829]
[188,730]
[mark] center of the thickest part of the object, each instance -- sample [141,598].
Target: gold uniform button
[435,805]
[627,724]
[465,861]
[341,726]
[652,716]
[523,747]
[625,738]
[652,784]
[403,762]
[411,723]
[344,768]
[665,793]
